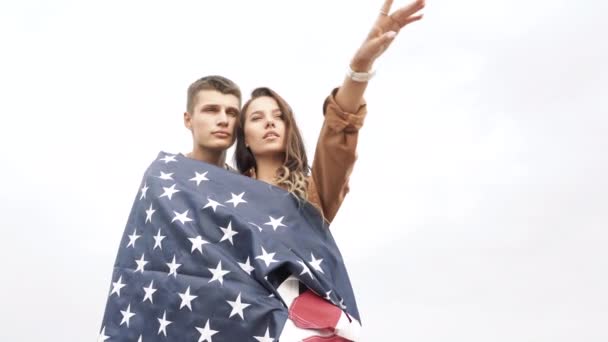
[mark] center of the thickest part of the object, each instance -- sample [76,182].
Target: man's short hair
[213,82]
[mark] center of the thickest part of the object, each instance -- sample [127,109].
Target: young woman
[269,145]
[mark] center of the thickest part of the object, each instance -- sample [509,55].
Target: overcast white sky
[478,206]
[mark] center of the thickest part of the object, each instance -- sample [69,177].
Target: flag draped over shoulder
[203,252]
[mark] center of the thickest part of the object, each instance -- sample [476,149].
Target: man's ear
[188,120]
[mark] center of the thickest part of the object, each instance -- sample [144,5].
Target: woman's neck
[267,168]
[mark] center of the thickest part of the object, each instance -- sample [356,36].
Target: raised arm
[383,33]
[345,112]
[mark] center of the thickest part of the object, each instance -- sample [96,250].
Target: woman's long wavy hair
[293,174]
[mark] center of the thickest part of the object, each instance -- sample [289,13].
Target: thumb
[383,40]
[387,37]
[374,47]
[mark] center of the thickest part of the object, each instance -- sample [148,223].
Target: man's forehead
[207,97]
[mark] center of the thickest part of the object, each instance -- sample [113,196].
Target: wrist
[359,76]
[359,65]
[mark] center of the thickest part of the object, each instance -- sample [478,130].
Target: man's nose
[222,118]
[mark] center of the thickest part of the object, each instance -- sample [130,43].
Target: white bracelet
[360,76]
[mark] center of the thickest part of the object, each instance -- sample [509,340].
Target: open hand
[384,31]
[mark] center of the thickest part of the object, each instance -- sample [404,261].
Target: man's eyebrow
[206,105]
[215,105]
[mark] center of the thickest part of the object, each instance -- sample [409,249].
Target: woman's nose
[270,122]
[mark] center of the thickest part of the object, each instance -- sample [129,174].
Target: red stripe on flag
[309,311]
[334,338]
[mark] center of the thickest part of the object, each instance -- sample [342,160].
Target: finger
[412,19]
[386,7]
[405,12]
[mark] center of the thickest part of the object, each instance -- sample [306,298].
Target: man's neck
[211,157]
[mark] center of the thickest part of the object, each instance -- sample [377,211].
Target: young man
[211,115]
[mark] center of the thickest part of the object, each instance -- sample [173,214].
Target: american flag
[203,252]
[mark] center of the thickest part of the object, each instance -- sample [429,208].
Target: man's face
[213,120]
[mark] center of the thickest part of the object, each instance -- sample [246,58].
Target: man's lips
[221,134]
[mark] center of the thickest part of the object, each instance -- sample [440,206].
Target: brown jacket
[335,157]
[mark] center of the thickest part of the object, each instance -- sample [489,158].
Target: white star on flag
[268,258]
[265,338]
[247,266]
[275,223]
[149,213]
[143,191]
[141,263]
[197,244]
[206,333]
[237,307]
[126,315]
[102,335]
[316,263]
[166,176]
[132,238]
[116,286]
[173,267]
[183,217]
[158,239]
[305,269]
[218,273]
[169,192]
[163,324]
[186,299]
[199,177]
[228,233]
[213,204]
[236,199]
[149,292]
[167,159]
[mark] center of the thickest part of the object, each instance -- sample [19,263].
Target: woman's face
[264,127]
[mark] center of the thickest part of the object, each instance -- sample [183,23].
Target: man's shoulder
[168,157]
